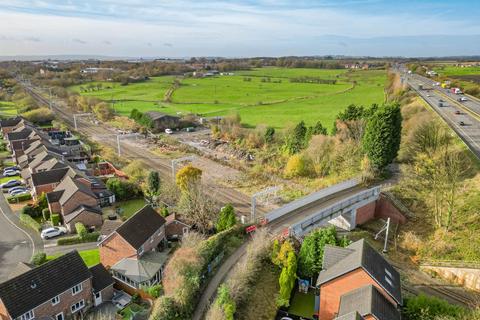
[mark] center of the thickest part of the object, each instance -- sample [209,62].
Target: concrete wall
[466,277]
[385,209]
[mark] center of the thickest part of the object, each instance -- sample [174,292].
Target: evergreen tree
[287,280]
[295,141]
[153,183]
[269,134]
[381,140]
[226,218]
[311,253]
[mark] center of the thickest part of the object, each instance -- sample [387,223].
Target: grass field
[269,96]
[7,109]
[457,71]
[90,257]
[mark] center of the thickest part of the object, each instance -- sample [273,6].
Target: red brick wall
[385,209]
[3,312]
[54,207]
[365,213]
[44,188]
[331,291]
[115,249]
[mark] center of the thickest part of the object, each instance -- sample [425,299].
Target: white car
[11,173]
[52,232]
[14,189]
[18,192]
[168,131]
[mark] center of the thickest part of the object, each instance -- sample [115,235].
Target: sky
[239,28]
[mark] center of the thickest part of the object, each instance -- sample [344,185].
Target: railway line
[221,193]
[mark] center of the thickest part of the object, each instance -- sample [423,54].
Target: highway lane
[452,111]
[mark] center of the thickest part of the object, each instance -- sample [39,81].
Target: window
[59,316]
[389,281]
[55,300]
[27,316]
[77,289]
[388,273]
[97,295]
[77,306]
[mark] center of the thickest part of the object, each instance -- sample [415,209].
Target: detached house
[357,279]
[133,251]
[75,202]
[10,124]
[63,288]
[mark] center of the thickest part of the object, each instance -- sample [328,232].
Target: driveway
[16,243]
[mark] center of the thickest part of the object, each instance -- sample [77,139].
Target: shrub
[32,210]
[424,307]
[123,190]
[226,218]
[297,165]
[46,214]
[81,230]
[39,258]
[29,221]
[39,116]
[89,237]
[19,198]
[55,219]
[164,212]
[155,291]
[187,176]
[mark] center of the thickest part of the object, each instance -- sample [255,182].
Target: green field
[7,109]
[457,71]
[267,97]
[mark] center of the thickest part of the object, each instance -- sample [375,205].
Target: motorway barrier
[305,201]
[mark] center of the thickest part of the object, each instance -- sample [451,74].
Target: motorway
[453,112]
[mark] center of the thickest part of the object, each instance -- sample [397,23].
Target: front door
[98,298]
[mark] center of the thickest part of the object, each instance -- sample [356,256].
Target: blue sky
[239,28]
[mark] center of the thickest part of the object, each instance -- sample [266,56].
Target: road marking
[25,232]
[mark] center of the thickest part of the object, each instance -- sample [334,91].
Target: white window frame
[388,273]
[389,281]
[61,313]
[77,289]
[29,315]
[55,300]
[73,307]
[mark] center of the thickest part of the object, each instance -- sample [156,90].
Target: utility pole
[385,228]
[79,115]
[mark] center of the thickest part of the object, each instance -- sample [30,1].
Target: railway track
[223,194]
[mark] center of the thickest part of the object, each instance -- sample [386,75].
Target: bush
[297,165]
[81,230]
[39,116]
[32,210]
[46,214]
[29,221]
[19,198]
[55,219]
[39,258]
[164,212]
[155,291]
[424,307]
[89,237]
[123,190]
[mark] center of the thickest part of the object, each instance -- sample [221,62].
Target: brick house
[10,124]
[174,228]
[47,181]
[75,202]
[60,289]
[133,251]
[357,266]
[18,147]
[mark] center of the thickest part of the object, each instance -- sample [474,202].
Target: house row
[71,192]
[63,288]
[357,283]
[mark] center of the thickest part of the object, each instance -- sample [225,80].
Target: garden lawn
[90,257]
[278,102]
[302,304]
[130,207]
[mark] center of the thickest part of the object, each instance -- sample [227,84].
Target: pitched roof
[109,226]
[368,300]
[70,186]
[19,269]
[82,208]
[362,256]
[52,176]
[22,144]
[155,115]
[34,145]
[141,226]
[54,196]
[101,277]
[142,269]
[19,135]
[10,122]
[51,164]
[32,288]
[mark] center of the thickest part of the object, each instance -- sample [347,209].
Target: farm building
[162,121]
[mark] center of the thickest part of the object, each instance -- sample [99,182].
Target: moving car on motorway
[52,232]
[461,123]
[457,112]
[462,99]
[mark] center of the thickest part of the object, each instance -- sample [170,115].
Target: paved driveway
[15,243]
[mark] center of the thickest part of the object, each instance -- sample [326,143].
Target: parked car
[17,188]
[15,168]
[52,232]
[10,183]
[168,131]
[457,112]
[11,173]
[461,123]
[18,192]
